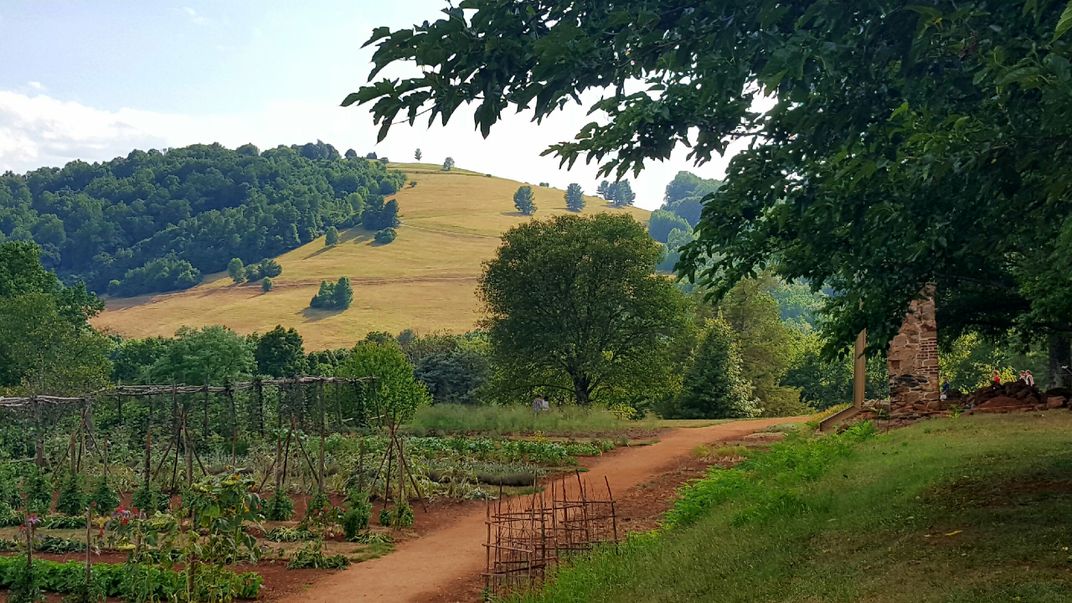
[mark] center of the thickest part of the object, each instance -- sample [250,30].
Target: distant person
[544,405]
[996,378]
[539,405]
[945,390]
[1029,378]
[1023,377]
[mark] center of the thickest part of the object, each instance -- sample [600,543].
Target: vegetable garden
[177,492]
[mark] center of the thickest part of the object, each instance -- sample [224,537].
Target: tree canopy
[155,220]
[525,200]
[907,144]
[574,304]
[574,197]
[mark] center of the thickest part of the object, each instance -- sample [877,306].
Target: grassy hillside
[968,509]
[425,280]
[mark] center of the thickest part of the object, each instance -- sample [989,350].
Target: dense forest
[156,220]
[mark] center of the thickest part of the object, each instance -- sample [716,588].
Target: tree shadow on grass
[316,314]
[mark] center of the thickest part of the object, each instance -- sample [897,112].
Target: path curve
[429,567]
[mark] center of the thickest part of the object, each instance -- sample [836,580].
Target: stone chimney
[913,361]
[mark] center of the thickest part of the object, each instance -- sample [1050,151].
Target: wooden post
[859,370]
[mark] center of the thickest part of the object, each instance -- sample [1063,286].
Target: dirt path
[432,566]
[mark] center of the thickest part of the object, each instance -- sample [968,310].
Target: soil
[443,558]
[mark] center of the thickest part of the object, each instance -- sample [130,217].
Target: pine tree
[574,197]
[343,294]
[417,154]
[714,386]
[331,236]
[603,190]
[267,284]
[525,201]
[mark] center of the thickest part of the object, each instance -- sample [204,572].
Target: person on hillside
[996,378]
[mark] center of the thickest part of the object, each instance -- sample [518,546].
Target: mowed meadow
[425,280]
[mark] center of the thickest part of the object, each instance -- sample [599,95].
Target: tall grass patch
[959,509]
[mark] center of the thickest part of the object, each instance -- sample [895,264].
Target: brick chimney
[913,360]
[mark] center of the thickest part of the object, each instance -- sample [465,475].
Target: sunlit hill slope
[425,280]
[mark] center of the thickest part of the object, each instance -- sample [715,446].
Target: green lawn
[965,509]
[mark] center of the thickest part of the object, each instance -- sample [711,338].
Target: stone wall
[913,362]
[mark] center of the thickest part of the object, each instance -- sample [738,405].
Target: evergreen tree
[266,284]
[574,197]
[603,189]
[236,270]
[331,236]
[525,201]
[620,193]
[324,297]
[448,164]
[417,154]
[343,294]
[714,387]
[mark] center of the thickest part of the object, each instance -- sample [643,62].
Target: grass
[425,280]
[518,420]
[962,510]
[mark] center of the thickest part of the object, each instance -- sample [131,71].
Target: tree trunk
[582,389]
[1060,360]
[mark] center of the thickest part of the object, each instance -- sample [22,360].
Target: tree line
[156,220]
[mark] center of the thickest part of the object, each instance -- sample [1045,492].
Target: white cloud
[36,85]
[195,16]
[40,130]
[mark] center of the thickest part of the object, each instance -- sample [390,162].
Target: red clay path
[434,565]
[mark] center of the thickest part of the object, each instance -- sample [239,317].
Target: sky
[92,80]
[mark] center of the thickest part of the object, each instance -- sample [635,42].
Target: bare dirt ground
[444,563]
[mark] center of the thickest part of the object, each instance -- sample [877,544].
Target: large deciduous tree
[575,304]
[280,353]
[905,144]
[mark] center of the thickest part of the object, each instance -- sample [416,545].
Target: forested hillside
[156,220]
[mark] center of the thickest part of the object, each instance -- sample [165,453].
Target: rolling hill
[425,280]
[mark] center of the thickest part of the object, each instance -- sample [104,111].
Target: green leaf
[1064,23]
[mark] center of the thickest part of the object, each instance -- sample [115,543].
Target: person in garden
[539,404]
[1029,378]
[996,378]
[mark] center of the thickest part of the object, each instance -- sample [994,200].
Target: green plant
[385,517]
[280,507]
[285,534]
[62,522]
[403,515]
[312,556]
[53,544]
[23,582]
[104,498]
[356,518]
[38,492]
[149,498]
[72,499]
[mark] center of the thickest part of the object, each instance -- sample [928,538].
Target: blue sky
[91,80]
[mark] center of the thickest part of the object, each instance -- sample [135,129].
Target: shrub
[385,517]
[72,500]
[38,492]
[150,498]
[403,515]
[267,284]
[312,556]
[385,236]
[104,498]
[280,507]
[356,518]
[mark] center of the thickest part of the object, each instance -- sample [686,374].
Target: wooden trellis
[178,435]
[525,536]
